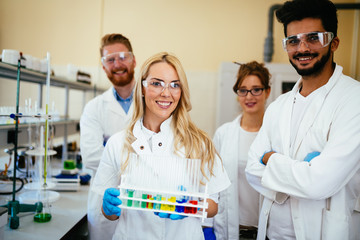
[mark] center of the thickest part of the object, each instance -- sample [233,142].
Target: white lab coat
[134,224]
[331,125]
[102,117]
[228,143]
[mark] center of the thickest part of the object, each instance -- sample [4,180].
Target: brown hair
[112,38]
[253,68]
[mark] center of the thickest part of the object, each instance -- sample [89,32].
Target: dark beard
[318,66]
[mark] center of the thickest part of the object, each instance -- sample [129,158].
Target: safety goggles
[110,59]
[158,86]
[312,40]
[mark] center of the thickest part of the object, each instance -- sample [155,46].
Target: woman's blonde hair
[187,136]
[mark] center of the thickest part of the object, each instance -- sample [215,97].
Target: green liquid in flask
[42,217]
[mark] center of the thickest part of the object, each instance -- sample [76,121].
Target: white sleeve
[254,169]
[108,173]
[106,177]
[217,140]
[220,180]
[91,136]
[327,173]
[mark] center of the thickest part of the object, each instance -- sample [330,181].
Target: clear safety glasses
[158,86]
[110,59]
[242,92]
[312,40]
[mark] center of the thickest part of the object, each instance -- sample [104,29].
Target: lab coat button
[160,144]
[141,147]
[266,212]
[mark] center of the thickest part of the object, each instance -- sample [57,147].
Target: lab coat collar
[141,145]
[328,86]
[314,107]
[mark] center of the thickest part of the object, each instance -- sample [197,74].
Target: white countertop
[66,213]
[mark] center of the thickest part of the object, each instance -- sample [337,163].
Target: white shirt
[239,204]
[280,221]
[248,197]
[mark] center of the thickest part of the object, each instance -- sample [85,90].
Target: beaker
[45,214]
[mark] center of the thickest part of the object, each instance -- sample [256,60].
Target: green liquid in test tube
[143,204]
[130,195]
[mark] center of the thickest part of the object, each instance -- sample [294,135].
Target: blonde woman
[161,125]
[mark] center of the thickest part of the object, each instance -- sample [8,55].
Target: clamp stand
[14,207]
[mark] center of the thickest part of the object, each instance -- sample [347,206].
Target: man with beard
[107,114]
[112,111]
[305,159]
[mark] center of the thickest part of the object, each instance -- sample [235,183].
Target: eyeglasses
[109,60]
[242,92]
[159,86]
[312,40]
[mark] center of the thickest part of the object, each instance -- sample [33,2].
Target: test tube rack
[164,184]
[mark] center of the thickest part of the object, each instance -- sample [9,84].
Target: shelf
[10,71]
[25,125]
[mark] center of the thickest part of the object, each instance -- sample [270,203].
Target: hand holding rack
[164,184]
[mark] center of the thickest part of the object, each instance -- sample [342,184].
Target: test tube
[143,203]
[180,208]
[130,195]
[193,210]
[163,206]
[136,202]
[173,200]
[150,204]
[158,205]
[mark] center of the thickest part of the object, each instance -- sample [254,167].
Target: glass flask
[45,214]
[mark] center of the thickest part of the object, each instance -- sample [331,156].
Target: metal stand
[14,207]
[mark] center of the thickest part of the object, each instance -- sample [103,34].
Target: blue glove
[105,139]
[209,233]
[261,159]
[171,216]
[111,202]
[84,179]
[310,156]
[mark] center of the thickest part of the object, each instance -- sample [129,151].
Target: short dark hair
[112,38]
[297,10]
[252,68]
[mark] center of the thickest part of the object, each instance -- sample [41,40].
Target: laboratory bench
[68,220]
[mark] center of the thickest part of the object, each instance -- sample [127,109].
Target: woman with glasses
[161,126]
[239,204]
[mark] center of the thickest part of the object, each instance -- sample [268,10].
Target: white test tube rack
[164,184]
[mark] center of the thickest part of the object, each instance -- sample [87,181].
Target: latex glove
[311,155]
[171,216]
[111,202]
[105,139]
[209,233]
